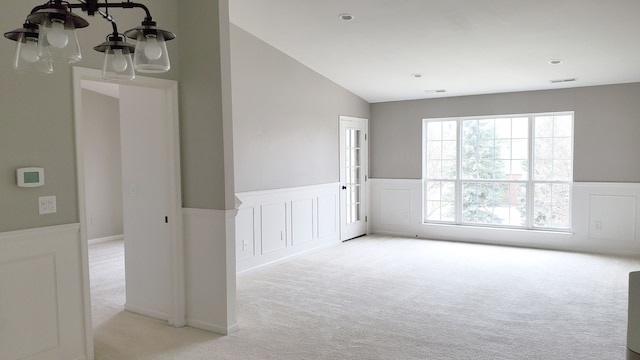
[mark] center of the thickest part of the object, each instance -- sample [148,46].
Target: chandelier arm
[121,5]
[92,6]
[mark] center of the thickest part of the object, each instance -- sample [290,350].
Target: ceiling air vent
[562,80]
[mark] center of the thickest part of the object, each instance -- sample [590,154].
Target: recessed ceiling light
[556,62]
[346,17]
[416,75]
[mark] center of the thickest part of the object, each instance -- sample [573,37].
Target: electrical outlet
[245,245]
[597,225]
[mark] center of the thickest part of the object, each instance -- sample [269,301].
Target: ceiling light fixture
[346,17]
[557,81]
[49,35]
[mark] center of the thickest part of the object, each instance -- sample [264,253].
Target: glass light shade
[58,38]
[151,54]
[27,58]
[118,64]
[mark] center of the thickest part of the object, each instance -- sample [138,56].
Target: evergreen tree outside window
[505,171]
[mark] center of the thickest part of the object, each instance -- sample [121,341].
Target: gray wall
[201,114]
[606,128]
[285,118]
[36,122]
[102,165]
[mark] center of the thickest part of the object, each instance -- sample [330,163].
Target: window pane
[449,169]
[562,170]
[432,189]
[518,204]
[434,130]
[543,126]
[449,150]
[487,128]
[434,169]
[494,203]
[520,128]
[552,206]
[563,125]
[562,148]
[503,129]
[449,130]
[355,141]
[560,210]
[543,169]
[504,148]
[355,160]
[544,148]
[434,150]
[480,201]
[519,170]
[440,201]
[433,211]
[520,149]
[353,175]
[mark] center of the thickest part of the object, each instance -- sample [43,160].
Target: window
[504,171]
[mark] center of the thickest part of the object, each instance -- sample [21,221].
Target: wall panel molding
[42,313]
[273,225]
[605,219]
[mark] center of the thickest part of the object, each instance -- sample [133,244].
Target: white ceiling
[463,46]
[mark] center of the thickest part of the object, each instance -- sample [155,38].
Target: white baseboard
[213,327]
[106,239]
[146,312]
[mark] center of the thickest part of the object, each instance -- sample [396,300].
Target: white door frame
[177,311]
[365,175]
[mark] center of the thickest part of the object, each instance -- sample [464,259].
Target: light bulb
[152,49]
[119,62]
[56,36]
[29,51]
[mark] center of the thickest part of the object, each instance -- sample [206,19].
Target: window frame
[530,182]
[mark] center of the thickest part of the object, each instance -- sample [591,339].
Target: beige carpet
[392,298]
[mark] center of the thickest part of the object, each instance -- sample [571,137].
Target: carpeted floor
[391,298]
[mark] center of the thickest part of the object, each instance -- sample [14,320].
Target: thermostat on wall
[30,176]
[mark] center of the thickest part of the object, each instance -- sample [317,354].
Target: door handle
[344,187]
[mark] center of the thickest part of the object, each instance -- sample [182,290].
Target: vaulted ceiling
[414,49]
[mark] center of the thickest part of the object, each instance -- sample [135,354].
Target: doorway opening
[127,153]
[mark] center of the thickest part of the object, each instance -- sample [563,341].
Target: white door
[353,177]
[143,129]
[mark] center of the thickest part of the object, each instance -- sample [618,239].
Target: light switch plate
[47,205]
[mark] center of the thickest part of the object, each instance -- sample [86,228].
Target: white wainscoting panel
[395,206]
[605,217]
[41,294]
[302,215]
[273,220]
[285,222]
[246,237]
[612,217]
[328,216]
[210,277]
